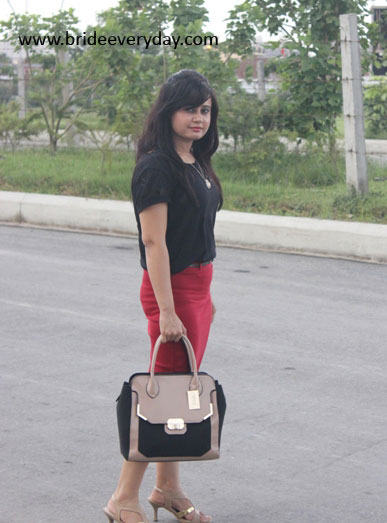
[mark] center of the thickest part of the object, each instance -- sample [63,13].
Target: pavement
[298,343]
[308,236]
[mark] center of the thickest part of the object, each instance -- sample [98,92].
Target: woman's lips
[196,128]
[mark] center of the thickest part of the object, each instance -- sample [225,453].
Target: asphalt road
[298,343]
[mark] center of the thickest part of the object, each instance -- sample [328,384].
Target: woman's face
[192,123]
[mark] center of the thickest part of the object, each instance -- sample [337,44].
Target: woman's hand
[171,327]
[213,312]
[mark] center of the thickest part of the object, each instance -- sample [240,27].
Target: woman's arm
[157,261]
[153,221]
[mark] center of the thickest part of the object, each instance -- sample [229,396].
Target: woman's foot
[179,504]
[126,515]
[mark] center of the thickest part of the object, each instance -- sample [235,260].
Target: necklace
[206,180]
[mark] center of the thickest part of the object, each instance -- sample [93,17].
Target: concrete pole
[261,78]
[64,57]
[21,86]
[355,153]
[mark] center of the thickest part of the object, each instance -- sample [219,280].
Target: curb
[307,236]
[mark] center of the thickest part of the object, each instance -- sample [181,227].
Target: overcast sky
[86,11]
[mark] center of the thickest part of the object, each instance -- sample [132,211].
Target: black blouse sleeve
[151,186]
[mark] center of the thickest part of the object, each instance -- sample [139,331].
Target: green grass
[70,172]
[310,185]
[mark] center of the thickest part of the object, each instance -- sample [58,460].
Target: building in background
[250,71]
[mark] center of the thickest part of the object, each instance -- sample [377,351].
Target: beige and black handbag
[171,416]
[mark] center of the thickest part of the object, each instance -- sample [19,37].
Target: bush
[258,159]
[375,104]
[266,160]
[14,129]
[315,168]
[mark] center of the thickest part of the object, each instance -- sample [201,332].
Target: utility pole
[355,153]
[21,86]
[259,70]
[64,57]
[261,77]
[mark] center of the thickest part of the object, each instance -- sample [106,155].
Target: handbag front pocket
[153,441]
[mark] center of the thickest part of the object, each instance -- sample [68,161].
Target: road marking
[57,310]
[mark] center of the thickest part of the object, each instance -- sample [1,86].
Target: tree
[138,71]
[378,37]
[375,101]
[240,116]
[60,88]
[188,17]
[311,73]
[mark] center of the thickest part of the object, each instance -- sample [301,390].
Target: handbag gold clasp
[175,424]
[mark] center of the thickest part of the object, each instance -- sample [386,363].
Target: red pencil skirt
[193,305]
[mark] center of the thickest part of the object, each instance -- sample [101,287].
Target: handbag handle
[153,386]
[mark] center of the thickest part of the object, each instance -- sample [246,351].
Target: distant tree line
[106,91]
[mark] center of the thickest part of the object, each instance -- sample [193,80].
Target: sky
[86,11]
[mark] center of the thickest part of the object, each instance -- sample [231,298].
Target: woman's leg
[172,358]
[167,478]
[127,489]
[167,475]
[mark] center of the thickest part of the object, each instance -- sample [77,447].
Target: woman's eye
[193,109]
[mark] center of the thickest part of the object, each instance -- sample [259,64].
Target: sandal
[169,496]
[133,507]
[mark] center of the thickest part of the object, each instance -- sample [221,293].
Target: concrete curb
[339,239]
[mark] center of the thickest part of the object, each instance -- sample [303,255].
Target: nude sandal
[133,507]
[169,496]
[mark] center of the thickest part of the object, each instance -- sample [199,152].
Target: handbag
[170,416]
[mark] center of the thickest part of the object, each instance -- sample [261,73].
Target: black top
[190,229]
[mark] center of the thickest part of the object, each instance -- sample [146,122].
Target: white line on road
[56,310]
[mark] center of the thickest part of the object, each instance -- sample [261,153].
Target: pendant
[208,183]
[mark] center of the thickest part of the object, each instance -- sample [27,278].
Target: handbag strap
[153,387]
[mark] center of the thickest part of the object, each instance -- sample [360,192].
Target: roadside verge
[308,236]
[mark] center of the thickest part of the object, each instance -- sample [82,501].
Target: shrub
[14,129]
[375,104]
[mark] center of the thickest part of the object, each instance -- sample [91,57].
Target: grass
[70,172]
[310,185]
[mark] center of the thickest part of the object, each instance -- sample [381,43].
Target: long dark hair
[186,88]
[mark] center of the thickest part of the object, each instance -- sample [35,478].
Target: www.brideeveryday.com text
[138,40]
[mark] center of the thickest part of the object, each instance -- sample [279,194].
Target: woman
[175,195]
